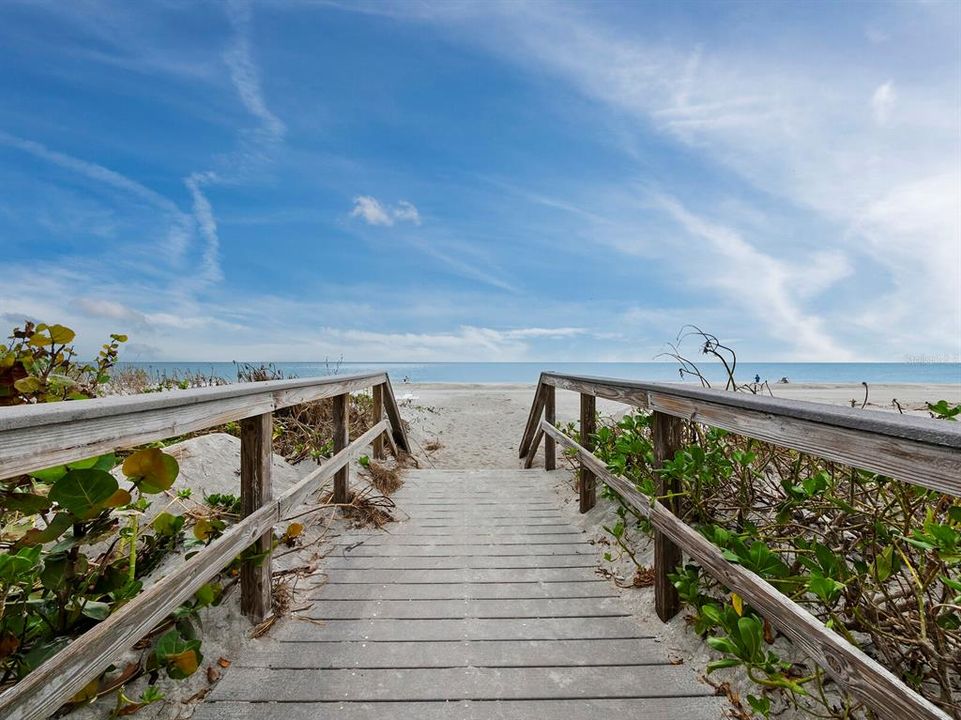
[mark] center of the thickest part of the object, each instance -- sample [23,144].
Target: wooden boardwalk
[483,604]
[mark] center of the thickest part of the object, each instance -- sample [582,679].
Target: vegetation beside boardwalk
[878,561]
[73,549]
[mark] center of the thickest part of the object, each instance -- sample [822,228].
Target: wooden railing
[920,451]
[39,436]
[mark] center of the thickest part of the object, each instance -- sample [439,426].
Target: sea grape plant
[72,550]
[878,561]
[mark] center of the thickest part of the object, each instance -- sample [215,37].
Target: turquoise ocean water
[490,372]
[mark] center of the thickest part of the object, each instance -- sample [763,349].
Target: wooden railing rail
[921,451]
[35,437]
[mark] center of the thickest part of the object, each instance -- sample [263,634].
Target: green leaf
[49,475]
[180,657]
[54,572]
[25,503]
[723,644]
[720,664]
[27,385]
[84,492]
[825,588]
[15,567]
[760,705]
[96,610]
[152,470]
[40,653]
[752,636]
[167,524]
[57,527]
[61,334]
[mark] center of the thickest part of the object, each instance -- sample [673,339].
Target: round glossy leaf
[29,384]
[84,492]
[25,503]
[61,334]
[152,469]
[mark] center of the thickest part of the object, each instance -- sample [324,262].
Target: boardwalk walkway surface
[483,604]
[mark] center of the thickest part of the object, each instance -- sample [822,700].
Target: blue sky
[284,180]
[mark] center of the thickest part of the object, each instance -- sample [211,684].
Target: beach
[480,425]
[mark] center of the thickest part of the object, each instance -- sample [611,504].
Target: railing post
[378,416]
[667,556]
[341,440]
[256,451]
[550,456]
[587,484]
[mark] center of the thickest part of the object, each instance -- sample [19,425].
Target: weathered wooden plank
[464,591]
[398,433]
[494,514]
[325,609]
[378,411]
[341,421]
[529,460]
[459,524]
[463,575]
[586,485]
[472,629]
[550,415]
[688,708]
[667,431]
[918,450]
[461,504]
[469,550]
[879,688]
[497,653]
[461,539]
[256,460]
[413,531]
[465,562]
[376,685]
[524,499]
[533,420]
[38,436]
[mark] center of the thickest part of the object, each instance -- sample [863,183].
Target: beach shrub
[39,364]
[72,549]
[877,560]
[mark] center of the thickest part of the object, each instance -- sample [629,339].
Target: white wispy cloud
[245,73]
[180,223]
[882,102]
[816,135]
[374,212]
[204,214]
[771,295]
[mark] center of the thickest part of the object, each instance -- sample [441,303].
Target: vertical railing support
[256,453]
[378,446]
[550,454]
[587,483]
[667,556]
[341,440]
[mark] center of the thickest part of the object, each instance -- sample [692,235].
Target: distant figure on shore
[783,381]
[757,379]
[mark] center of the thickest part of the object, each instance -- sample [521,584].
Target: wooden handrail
[922,451]
[33,437]
[918,450]
[62,432]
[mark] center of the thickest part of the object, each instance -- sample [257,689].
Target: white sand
[480,425]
